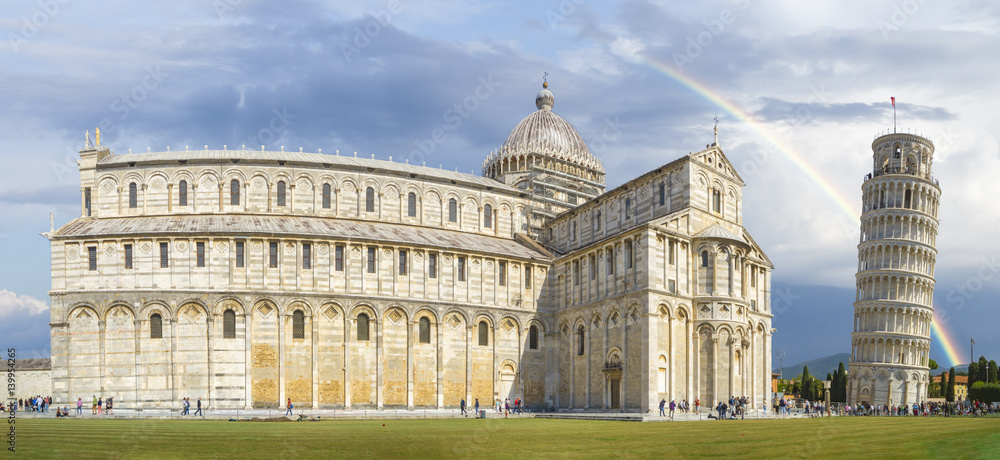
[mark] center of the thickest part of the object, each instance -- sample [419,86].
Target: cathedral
[247,277]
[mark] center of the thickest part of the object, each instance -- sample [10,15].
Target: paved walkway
[390,414]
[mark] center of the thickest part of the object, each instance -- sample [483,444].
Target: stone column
[172,378]
[468,362]
[692,351]
[439,326]
[348,322]
[247,359]
[137,337]
[379,363]
[281,354]
[210,321]
[314,322]
[409,364]
[715,369]
[102,328]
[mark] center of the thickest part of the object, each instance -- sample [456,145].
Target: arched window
[484,333]
[326,196]
[533,337]
[716,201]
[580,342]
[425,330]
[234,193]
[597,222]
[362,327]
[704,258]
[411,205]
[663,194]
[156,326]
[182,193]
[298,325]
[281,193]
[452,210]
[133,196]
[907,199]
[628,208]
[229,324]
[488,216]
[370,200]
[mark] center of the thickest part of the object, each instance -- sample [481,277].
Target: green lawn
[516,438]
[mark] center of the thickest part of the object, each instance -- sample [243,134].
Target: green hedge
[984,392]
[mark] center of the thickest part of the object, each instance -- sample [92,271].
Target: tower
[895,280]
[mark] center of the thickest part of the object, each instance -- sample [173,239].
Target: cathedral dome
[544,133]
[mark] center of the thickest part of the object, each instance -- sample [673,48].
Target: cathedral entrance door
[616,390]
[507,382]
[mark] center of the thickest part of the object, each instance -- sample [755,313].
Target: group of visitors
[33,404]
[735,407]
[507,407]
[186,407]
[947,409]
[673,406]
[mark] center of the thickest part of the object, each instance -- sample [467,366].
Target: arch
[424,330]
[411,204]
[298,324]
[483,329]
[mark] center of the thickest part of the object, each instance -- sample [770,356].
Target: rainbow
[712,96]
[938,332]
[947,341]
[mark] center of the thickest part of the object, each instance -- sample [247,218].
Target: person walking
[477,407]
[198,412]
[110,404]
[100,405]
[461,405]
[289,406]
[697,405]
[673,405]
[79,406]
[93,407]
[663,402]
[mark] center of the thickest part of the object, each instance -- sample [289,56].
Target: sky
[800,90]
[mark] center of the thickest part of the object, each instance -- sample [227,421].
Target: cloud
[12,304]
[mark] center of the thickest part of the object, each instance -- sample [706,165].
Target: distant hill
[818,367]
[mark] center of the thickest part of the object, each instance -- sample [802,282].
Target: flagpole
[894,117]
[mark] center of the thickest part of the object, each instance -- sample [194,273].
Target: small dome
[545,100]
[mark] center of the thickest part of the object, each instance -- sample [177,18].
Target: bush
[984,392]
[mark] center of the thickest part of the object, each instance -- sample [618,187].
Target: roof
[717,231]
[259,225]
[33,364]
[318,159]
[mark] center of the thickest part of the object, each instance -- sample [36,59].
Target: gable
[716,160]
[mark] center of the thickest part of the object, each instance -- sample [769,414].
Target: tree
[950,394]
[973,372]
[984,370]
[993,372]
[942,387]
[841,383]
[932,364]
[807,388]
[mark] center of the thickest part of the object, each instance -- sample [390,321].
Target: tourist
[477,407]
[697,405]
[288,405]
[110,404]
[663,402]
[461,405]
[93,407]
[100,405]
[673,406]
[79,406]
[198,412]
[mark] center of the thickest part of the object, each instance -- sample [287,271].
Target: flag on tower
[893,101]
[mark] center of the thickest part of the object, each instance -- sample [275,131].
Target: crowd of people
[736,407]
[946,409]
[39,404]
[674,406]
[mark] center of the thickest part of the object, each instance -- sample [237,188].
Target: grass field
[516,438]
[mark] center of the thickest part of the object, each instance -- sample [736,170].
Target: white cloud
[13,304]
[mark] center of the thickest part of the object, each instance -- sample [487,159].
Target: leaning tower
[895,280]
